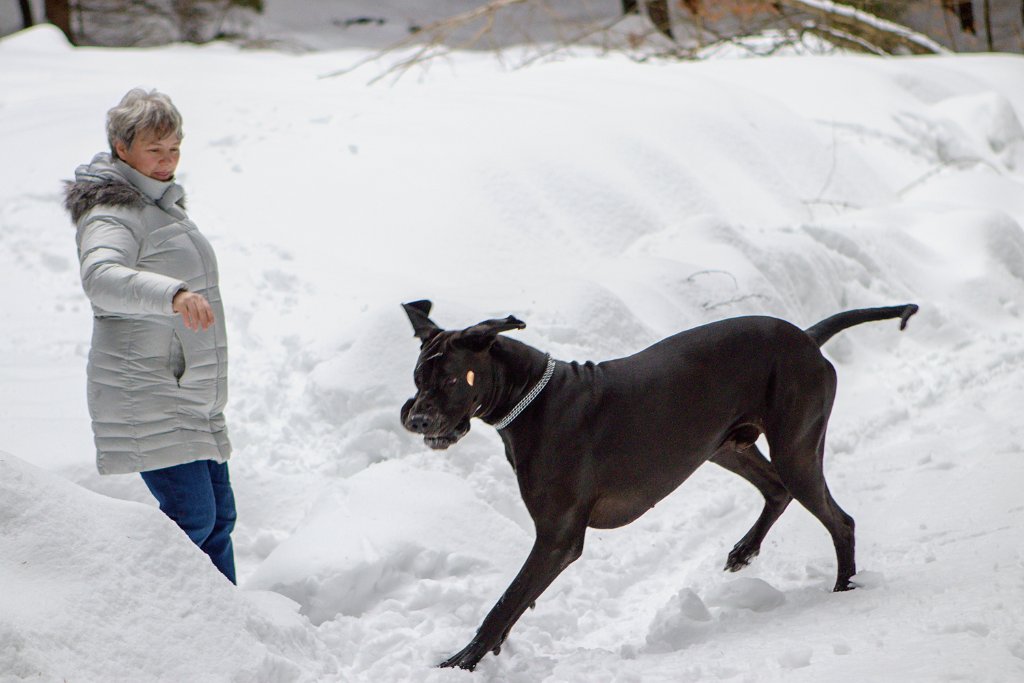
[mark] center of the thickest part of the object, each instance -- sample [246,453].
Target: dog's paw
[466,659]
[843,585]
[740,557]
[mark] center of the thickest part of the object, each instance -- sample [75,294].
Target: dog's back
[634,417]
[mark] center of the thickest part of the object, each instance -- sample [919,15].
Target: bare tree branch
[760,26]
[437,33]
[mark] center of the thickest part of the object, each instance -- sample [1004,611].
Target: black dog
[599,445]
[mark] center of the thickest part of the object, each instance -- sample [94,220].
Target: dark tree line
[687,24]
[130,22]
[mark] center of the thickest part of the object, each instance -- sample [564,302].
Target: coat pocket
[177,358]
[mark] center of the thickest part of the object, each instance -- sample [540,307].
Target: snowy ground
[607,204]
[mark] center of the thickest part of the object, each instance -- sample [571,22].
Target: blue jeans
[198,497]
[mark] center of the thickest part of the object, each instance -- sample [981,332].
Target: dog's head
[453,375]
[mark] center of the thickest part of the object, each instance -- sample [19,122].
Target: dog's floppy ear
[423,327]
[481,336]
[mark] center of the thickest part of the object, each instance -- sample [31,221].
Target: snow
[608,204]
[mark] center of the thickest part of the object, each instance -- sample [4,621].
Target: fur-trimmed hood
[111,182]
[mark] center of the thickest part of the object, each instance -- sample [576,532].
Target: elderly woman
[157,373]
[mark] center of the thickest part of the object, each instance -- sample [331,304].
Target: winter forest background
[671,27]
[609,171]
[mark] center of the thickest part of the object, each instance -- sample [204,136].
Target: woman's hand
[195,310]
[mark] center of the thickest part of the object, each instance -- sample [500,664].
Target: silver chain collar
[528,399]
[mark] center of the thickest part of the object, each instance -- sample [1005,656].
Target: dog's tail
[829,327]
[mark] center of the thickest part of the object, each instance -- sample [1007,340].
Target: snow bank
[101,589]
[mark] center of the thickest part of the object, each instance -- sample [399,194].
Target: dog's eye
[451,381]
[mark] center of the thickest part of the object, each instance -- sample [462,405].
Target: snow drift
[102,589]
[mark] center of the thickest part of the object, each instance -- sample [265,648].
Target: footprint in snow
[796,657]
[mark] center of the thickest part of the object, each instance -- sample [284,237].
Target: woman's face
[152,156]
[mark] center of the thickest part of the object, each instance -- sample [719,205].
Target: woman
[157,373]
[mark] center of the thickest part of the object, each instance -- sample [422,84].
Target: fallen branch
[851,28]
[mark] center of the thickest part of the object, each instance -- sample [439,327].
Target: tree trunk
[26,13]
[988,26]
[58,13]
[657,10]
[964,11]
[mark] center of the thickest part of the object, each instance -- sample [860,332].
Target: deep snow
[607,204]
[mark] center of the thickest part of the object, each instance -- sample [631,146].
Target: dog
[597,445]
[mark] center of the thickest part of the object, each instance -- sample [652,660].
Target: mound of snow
[682,620]
[989,122]
[753,594]
[37,39]
[102,589]
[383,533]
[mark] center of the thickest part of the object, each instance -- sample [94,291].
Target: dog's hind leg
[750,464]
[799,465]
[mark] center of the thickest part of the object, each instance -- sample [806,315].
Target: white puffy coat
[156,389]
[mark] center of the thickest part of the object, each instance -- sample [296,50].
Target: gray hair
[142,111]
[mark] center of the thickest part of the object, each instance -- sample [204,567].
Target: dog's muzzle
[436,434]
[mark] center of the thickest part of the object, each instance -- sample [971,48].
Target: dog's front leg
[551,553]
